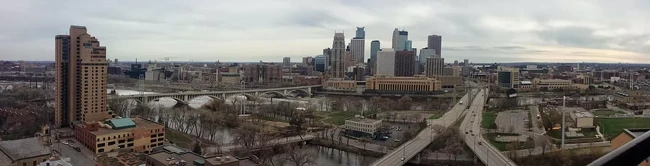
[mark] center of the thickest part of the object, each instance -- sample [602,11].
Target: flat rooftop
[364,120]
[24,148]
[584,115]
[139,124]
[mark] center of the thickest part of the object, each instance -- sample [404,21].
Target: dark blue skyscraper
[319,63]
[374,47]
[361,32]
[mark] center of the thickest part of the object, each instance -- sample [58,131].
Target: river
[323,156]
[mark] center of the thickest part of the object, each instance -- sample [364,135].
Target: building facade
[394,39]
[404,63]
[337,69]
[417,84]
[374,48]
[363,125]
[340,84]
[81,78]
[286,61]
[402,38]
[131,133]
[386,62]
[262,73]
[357,49]
[434,67]
[319,63]
[508,77]
[553,84]
[361,32]
[435,42]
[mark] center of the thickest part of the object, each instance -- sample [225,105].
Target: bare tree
[300,156]
[246,136]
[404,103]
[119,106]
[438,129]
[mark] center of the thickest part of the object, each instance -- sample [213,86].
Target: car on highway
[466,132]
[472,134]
[396,140]
[480,143]
[402,158]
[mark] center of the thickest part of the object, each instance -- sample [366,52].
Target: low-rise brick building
[133,133]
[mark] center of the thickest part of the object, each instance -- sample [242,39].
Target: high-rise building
[357,49]
[386,62]
[337,53]
[374,47]
[361,33]
[319,63]
[348,60]
[427,53]
[307,61]
[401,41]
[286,61]
[434,67]
[467,68]
[81,78]
[409,45]
[262,73]
[328,59]
[395,36]
[404,61]
[435,42]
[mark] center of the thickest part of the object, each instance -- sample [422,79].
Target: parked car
[77,149]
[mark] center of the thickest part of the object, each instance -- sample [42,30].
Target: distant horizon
[147,61]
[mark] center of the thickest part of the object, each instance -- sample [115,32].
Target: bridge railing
[632,153]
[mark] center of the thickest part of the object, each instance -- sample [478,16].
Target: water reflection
[324,156]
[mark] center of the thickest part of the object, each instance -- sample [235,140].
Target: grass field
[611,127]
[338,117]
[605,113]
[180,139]
[436,116]
[488,119]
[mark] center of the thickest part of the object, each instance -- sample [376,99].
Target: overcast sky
[254,30]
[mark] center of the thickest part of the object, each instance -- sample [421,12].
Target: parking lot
[397,136]
[515,120]
[84,157]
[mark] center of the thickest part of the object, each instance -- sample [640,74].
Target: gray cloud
[231,30]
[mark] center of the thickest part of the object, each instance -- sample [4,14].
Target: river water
[323,156]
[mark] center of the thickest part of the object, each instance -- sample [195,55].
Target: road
[409,149]
[471,128]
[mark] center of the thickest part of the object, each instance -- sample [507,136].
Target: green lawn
[436,116]
[605,113]
[488,119]
[339,117]
[180,139]
[502,145]
[611,127]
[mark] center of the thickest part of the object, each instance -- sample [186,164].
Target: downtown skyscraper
[374,48]
[358,46]
[361,32]
[435,42]
[81,78]
[337,53]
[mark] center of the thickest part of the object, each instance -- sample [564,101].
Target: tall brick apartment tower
[81,78]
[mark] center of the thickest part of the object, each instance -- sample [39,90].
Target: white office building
[386,62]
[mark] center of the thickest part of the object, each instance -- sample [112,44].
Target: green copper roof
[121,123]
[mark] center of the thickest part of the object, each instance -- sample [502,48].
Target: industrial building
[132,133]
[417,84]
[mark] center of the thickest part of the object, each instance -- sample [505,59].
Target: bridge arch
[298,90]
[248,96]
[279,94]
[150,99]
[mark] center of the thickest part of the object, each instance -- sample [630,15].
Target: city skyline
[508,31]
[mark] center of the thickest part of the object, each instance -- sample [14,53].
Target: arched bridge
[186,97]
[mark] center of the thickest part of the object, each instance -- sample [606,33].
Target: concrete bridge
[184,98]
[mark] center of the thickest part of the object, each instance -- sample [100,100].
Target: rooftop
[364,120]
[121,123]
[584,115]
[24,148]
[139,124]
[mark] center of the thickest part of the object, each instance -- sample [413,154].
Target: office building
[389,84]
[328,59]
[319,63]
[395,37]
[435,42]
[404,63]
[386,62]
[360,33]
[359,73]
[340,84]
[307,61]
[81,78]
[508,77]
[374,48]
[553,84]
[286,61]
[130,133]
[427,53]
[362,125]
[348,61]
[409,45]
[434,67]
[337,54]
[450,82]
[262,73]
[357,49]
[402,38]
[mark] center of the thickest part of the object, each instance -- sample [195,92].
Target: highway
[409,149]
[471,128]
